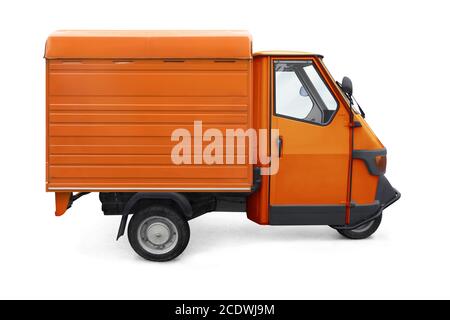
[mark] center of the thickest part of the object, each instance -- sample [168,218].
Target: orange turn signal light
[381,162]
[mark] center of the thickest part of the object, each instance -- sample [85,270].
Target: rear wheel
[362,232]
[158,233]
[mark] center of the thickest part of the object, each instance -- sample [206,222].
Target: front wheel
[362,232]
[158,233]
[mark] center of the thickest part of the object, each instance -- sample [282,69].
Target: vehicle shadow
[216,230]
[209,232]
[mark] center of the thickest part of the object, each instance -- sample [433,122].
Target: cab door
[311,185]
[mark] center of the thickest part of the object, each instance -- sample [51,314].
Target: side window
[291,97]
[300,92]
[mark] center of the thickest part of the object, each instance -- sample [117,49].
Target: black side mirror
[347,86]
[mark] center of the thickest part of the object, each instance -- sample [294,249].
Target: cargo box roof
[149,45]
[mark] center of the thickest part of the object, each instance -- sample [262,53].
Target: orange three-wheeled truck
[169,125]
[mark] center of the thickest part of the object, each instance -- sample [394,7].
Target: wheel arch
[176,200]
[138,201]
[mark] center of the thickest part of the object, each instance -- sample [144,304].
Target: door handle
[280,145]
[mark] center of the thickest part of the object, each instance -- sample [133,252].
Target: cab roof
[285,53]
[168,44]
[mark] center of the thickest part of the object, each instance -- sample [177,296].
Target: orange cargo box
[114,98]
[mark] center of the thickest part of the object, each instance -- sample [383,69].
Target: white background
[397,54]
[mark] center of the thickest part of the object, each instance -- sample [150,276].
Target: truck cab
[331,164]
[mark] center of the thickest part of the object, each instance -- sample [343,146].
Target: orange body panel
[312,173]
[258,202]
[364,185]
[149,44]
[61,202]
[314,163]
[110,121]
[365,138]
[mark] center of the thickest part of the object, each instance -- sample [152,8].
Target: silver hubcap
[157,235]
[364,227]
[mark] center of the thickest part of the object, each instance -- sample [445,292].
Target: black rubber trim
[376,215]
[333,215]
[368,156]
[307,215]
[356,124]
[361,212]
[256,179]
[178,198]
[359,224]
[385,191]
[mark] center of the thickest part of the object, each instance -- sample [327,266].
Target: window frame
[274,60]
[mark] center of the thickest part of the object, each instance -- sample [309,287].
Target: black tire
[363,231]
[158,233]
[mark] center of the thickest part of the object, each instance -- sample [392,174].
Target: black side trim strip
[368,156]
[307,215]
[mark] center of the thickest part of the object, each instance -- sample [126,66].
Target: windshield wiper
[363,114]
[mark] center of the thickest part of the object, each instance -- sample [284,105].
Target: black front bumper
[386,194]
[362,214]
